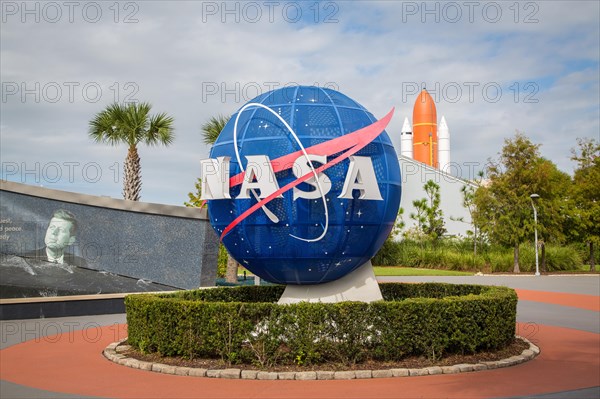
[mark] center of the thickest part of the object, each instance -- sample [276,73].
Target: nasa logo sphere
[303,185]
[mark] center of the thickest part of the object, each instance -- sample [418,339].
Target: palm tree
[131,124]
[213,127]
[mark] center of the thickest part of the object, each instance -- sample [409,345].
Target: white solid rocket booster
[406,139]
[444,146]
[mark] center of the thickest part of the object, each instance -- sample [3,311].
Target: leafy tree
[194,200]
[468,193]
[419,215]
[131,124]
[468,202]
[429,216]
[503,204]
[398,224]
[553,206]
[585,194]
[210,132]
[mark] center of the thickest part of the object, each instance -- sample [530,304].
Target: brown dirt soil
[515,348]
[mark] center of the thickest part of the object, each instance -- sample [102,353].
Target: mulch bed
[514,349]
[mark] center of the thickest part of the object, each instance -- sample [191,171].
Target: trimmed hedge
[246,325]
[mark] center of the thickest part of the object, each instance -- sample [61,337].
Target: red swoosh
[354,142]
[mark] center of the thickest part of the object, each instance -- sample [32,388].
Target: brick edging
[114,353]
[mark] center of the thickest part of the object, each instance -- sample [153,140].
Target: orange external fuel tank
[425,138]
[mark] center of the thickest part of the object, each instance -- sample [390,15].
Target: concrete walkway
[61,358]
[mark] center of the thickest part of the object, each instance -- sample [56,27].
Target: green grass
[412,271]
[394,271]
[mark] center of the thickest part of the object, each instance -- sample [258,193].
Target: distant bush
[245,325]
[222,261]
[557,259]
[444,255]
[562,258]
[458,255]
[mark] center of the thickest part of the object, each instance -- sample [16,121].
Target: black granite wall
[121,246]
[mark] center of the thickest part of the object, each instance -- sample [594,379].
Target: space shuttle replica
[424,141]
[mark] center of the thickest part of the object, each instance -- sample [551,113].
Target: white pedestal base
[360,285]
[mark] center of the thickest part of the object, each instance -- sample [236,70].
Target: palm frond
[213,127]
[160,130]
[106,127]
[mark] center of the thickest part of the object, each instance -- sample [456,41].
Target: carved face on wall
[59,234]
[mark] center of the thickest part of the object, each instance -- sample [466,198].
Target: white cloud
[377,53]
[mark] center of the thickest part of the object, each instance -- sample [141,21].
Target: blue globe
[281,251]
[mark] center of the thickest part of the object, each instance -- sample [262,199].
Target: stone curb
[114,353]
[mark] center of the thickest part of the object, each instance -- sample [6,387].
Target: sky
[493,68]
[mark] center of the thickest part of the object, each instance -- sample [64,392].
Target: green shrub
[500,261]
[557,258]
[563,258]
[246,325]
[222,261]
[456,254]
[389,254]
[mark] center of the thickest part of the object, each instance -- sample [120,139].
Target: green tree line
[501,210]
[568,207]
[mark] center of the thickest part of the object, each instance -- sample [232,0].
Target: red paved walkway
[73,363]
[588,302]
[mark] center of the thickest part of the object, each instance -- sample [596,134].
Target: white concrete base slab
[360,286]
